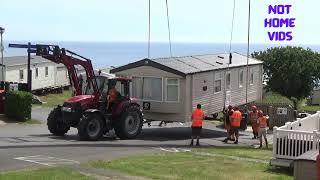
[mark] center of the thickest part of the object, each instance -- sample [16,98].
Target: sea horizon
[106,54]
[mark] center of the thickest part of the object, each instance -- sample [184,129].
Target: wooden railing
[296,138]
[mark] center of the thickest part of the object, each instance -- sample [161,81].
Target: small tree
[18,105]
[290,71]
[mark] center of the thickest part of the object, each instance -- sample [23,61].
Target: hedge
[18,105]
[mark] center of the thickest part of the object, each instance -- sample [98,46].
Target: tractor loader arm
[70,60]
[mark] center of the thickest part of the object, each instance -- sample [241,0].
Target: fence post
[275,137]
[315,140]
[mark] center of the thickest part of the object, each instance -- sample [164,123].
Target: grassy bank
[52,100]
[271,98]
[302,106]
[191,166]
[60,173]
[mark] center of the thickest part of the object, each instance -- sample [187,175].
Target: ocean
[106,54]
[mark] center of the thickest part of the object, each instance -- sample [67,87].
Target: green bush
[18,105]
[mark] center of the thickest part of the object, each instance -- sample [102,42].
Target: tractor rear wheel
[130,123]
[55,123]
[90,127]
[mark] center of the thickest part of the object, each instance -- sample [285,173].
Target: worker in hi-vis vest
[112,94]
[197,118]
[263,125]
[236,118]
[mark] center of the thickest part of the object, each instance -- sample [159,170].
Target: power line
[232,24]
[168,23]
[248,51]
[149,28]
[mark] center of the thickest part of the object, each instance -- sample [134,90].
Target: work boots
[198,144]
[191,144]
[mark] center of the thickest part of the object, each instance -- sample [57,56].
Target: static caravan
[45,74]
[169,88]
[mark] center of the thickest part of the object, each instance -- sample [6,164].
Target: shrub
[18,105]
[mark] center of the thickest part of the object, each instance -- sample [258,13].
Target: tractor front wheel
[55,123]
[130,123]
[91,127]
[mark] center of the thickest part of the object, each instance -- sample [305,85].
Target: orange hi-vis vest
[236,118]
[197,118]
[262,122]
[112,95]
[253,116]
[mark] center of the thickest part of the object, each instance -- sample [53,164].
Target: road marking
[46,160]
[173,150]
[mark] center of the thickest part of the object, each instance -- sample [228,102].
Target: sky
[203,21]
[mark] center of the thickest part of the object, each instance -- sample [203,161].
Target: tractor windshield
[102,83]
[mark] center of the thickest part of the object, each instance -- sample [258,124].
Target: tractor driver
[112,94]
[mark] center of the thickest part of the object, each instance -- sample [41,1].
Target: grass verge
[244,152]
[191,166]
[52,100]
[60,173]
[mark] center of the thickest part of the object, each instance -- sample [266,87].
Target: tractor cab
[103,83]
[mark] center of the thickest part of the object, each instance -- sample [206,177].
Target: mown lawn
[60,173]
[245,152]
[52,100]
[188,165]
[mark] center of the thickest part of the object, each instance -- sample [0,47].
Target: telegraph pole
[1,49]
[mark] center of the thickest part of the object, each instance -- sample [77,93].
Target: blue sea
[106,54]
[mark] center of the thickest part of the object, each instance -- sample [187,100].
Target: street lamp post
[1,49]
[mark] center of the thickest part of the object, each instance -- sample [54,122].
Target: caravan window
[137,87]
[172,90]
[251,76]
[217,82]
[46,71]
[240,78]
[21,74]
[37,72]
[147,88]
[152,89]
[228,80]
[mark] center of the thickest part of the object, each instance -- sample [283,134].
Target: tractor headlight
[66,109]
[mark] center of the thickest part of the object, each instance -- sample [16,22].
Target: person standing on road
[263,124]
[235,124]
[227,120]
[253,116]
[197,118]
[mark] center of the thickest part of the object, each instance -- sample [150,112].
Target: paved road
[23,146]
[40,113]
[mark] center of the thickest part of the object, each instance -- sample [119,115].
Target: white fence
[296,138]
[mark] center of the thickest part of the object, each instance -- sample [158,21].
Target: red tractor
[87,110]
